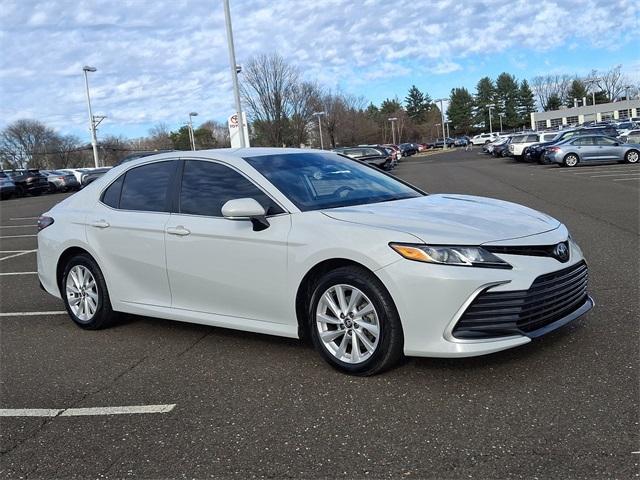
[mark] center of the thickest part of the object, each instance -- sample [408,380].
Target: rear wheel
[85,295]
[571,160]
[632,156]
[353,322]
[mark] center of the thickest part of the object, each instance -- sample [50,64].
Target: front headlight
[450,255]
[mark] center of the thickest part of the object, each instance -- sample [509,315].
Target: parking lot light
[393,132]
[92,123]
[490,106]
[444,136]
[192,137]
[501,115]
[234,70]
[319,115]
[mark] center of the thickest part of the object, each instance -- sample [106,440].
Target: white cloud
[158,60]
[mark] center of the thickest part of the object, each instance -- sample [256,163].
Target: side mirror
[246,209]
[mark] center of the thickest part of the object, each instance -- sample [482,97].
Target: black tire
[20,191]
[104,315]
[391,338]
[631,156]
[568,160]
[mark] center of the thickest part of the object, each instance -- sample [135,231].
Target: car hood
[450,219]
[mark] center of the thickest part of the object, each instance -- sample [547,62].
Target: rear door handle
[100,224]
[179,230]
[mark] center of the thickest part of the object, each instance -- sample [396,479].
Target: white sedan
[304,243]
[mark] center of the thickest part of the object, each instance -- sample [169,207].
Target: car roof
[228,155]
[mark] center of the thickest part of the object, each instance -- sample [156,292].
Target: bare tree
[66,152]
[24,143]
[158,139]
[612,82]
[305,100]
[219,132]
[267,87]
[549,86]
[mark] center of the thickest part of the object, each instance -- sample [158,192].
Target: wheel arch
[306,284]
[65,256]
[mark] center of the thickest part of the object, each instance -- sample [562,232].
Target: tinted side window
[146,188]
[111,195]
[605,141]
[207,186]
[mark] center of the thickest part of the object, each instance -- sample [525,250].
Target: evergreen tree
[507,99]
[390,106]
[417,104]
[526,103]
[372,111]
[460,110]
[485,95]
[577,90]
[554,103]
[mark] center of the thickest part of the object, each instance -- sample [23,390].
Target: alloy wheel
[632,156]
[348,324]
[571,160]
[82,293]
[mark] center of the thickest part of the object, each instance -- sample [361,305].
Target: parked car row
[569,147]
[23,182]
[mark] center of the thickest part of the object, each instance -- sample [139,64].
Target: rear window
[145,188]
[519,139]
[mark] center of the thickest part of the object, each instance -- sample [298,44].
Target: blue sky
[159,60]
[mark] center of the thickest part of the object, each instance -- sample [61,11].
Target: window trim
[175,195]
[172,180]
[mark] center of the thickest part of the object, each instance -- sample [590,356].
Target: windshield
[313,181]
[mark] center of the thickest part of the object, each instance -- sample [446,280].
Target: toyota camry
[304,243]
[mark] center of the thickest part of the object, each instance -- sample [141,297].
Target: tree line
[555,91]
[32,144]
[284,109]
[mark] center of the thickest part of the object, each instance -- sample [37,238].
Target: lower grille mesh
[551,297]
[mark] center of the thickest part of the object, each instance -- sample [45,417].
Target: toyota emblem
[561,252]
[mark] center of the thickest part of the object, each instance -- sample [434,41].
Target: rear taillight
[553,149]
[44,222]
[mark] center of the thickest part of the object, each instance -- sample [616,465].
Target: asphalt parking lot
[235,404]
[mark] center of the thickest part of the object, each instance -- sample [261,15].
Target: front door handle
[179,230]
[100,224]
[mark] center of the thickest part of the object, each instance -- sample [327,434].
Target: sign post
[235,131]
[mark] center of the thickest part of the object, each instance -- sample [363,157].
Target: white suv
[483,138]
[520,142]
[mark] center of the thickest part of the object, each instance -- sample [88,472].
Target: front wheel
[571,160]
[632,156]
[85,295]
[354,323]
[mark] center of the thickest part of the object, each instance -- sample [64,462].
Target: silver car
[592,148]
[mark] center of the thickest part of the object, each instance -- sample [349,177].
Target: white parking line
[625,179]
[626,170]
[615,175]
[24,218]
[18,273]
[18,254]
[76,412]
[19,226]
[31,314]
[597,167]
[12,251]
[17,236]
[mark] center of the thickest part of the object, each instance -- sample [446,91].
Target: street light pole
[444,136]
[92,122]
[192,136]
[501,116]
[393,132]
[234,71]
[319,115]
[490,106]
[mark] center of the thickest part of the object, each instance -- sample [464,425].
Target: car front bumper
[431,300]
